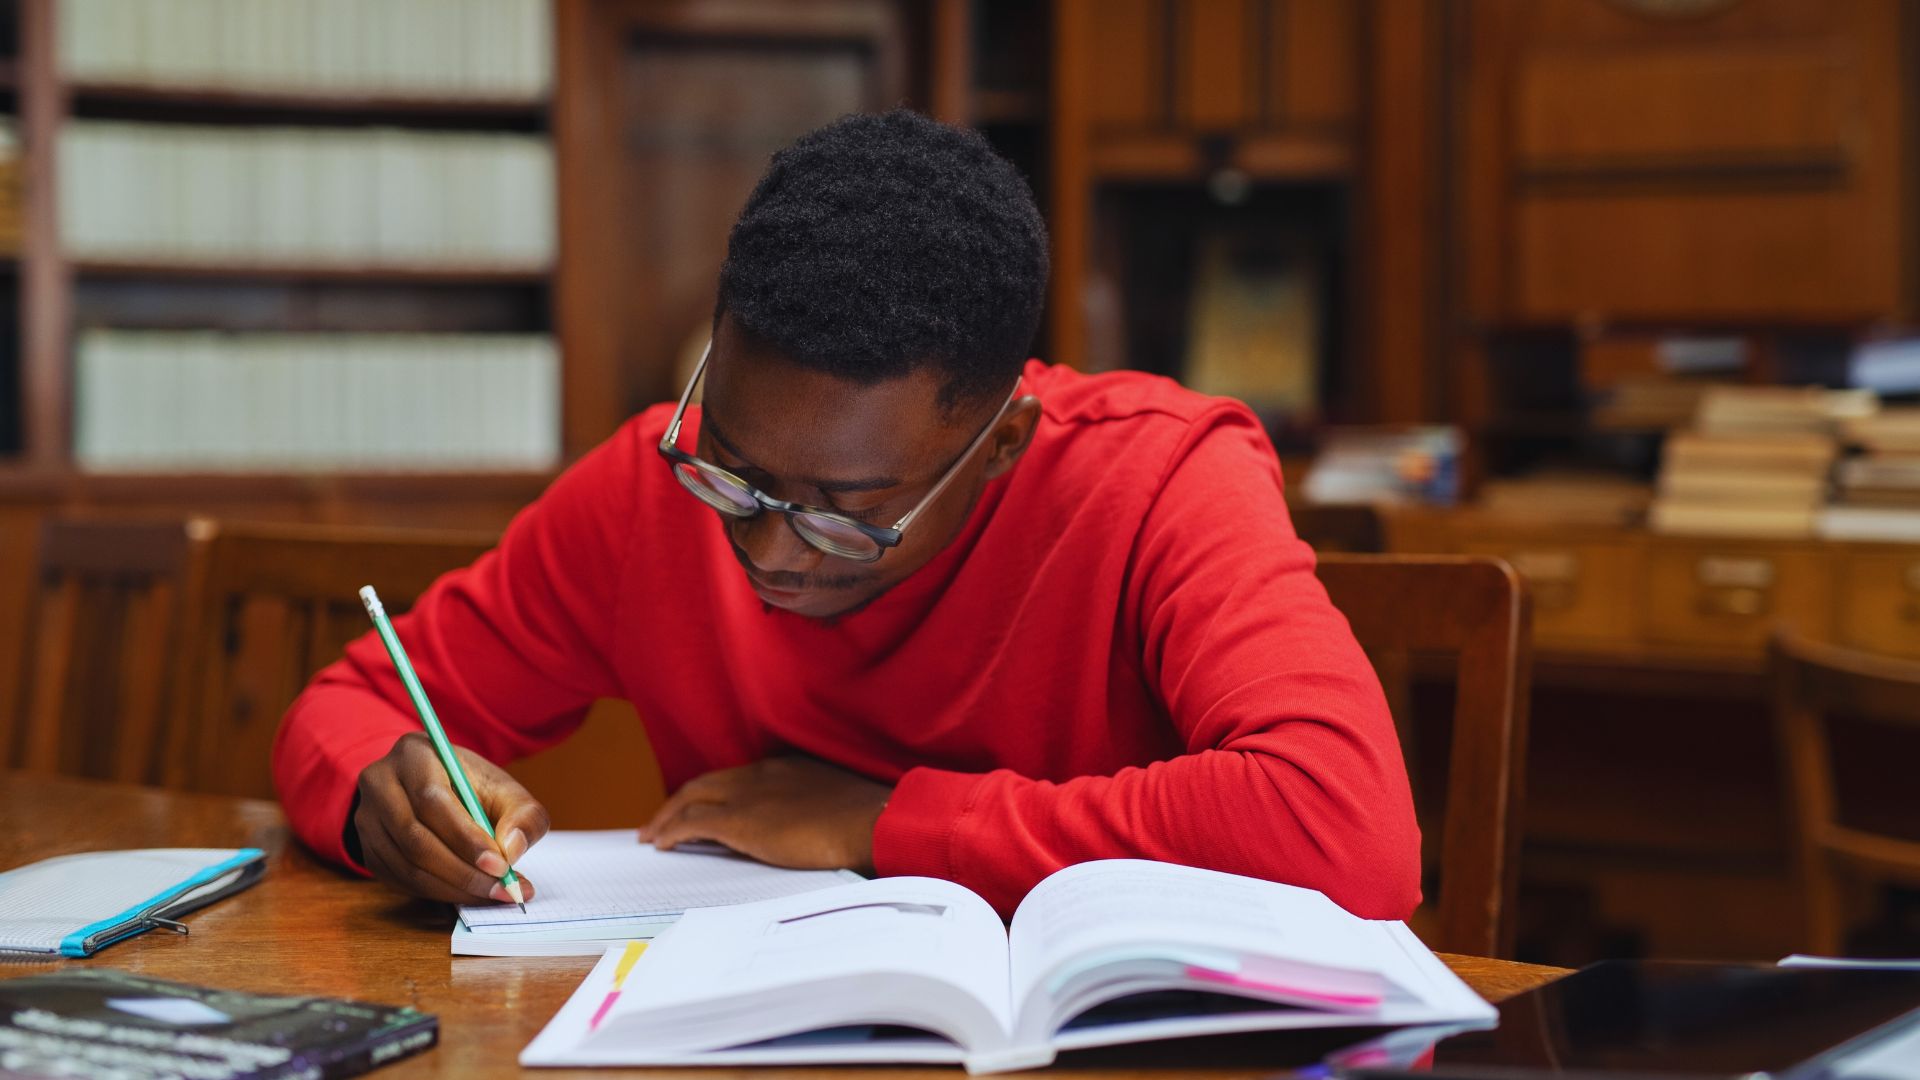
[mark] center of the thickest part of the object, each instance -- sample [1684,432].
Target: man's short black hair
[884,243]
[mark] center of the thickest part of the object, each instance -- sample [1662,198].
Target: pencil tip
[523,909]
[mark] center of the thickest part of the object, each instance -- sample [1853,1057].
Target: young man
[895,597]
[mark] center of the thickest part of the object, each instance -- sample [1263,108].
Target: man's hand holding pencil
[417,837]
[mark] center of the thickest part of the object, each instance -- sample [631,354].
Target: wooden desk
[308,929]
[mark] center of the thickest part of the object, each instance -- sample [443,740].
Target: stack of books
[1758,461]
[1878,490]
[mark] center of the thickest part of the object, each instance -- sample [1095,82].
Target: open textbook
[922,970]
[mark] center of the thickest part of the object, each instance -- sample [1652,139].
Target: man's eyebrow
[870,483]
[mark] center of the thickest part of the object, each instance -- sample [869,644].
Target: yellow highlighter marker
[509,880]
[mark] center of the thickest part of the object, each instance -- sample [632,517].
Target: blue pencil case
[76,904]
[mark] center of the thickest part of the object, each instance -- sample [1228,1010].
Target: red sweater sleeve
[1292,770]
[529,622]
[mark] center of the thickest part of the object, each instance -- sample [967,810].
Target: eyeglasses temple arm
[672,437]
[927,499]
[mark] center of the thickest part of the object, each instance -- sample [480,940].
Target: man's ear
[1012,435]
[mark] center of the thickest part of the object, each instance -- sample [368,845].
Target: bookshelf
[227,89]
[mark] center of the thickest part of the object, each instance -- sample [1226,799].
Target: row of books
[491,49]
[176,401]
[304,196]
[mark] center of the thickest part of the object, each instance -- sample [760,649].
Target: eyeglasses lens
[716,491]
[836,537]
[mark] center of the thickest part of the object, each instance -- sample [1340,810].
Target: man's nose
[772,547]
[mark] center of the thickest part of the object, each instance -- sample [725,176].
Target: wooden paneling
[1127,87]
[1739,104]
[1223,67]
[1217,84]
[1316,52]
[1759,256]
[1742,165]
[665,116]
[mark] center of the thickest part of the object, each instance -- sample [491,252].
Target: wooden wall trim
[46,286]
[585,138]
[1400,209]
[951,57]
[1072,195]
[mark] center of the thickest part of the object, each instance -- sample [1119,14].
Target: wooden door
[665,115]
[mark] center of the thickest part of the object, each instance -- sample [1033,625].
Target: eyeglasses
[829,531]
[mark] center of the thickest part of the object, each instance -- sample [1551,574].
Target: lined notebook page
[40,904]
[610,875]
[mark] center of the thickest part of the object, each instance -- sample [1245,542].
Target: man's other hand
[790,811]
[417,837]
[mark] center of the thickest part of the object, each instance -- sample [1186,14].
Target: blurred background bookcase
[217,103]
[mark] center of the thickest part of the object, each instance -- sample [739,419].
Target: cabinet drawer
[1880,602]
[1730,596]
[1582,592]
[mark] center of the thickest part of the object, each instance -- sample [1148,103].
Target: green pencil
[509,880]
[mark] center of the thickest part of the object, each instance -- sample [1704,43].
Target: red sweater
[1124,652]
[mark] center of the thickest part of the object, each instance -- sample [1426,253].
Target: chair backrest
[276,604]
[1474,610]
[96,675]
[1336,527]
[1815,687]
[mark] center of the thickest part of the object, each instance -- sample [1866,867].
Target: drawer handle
[1734,572]
[1737,602]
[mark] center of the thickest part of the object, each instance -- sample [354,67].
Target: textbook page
[608,874]
[916,952]
[1159,920]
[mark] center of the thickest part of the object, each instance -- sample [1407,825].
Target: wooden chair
[1474,610]
[1331,527]
[279,602]
[275,605]
[1819,691]
[106,611]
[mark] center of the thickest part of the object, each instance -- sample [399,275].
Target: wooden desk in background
[1656,815]
[308,929]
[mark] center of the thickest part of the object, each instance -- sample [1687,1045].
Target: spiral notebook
[75,904]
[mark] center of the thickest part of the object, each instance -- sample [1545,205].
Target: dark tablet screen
[1686,1019]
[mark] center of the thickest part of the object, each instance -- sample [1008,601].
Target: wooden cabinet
[1738,164]
[1619,595]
